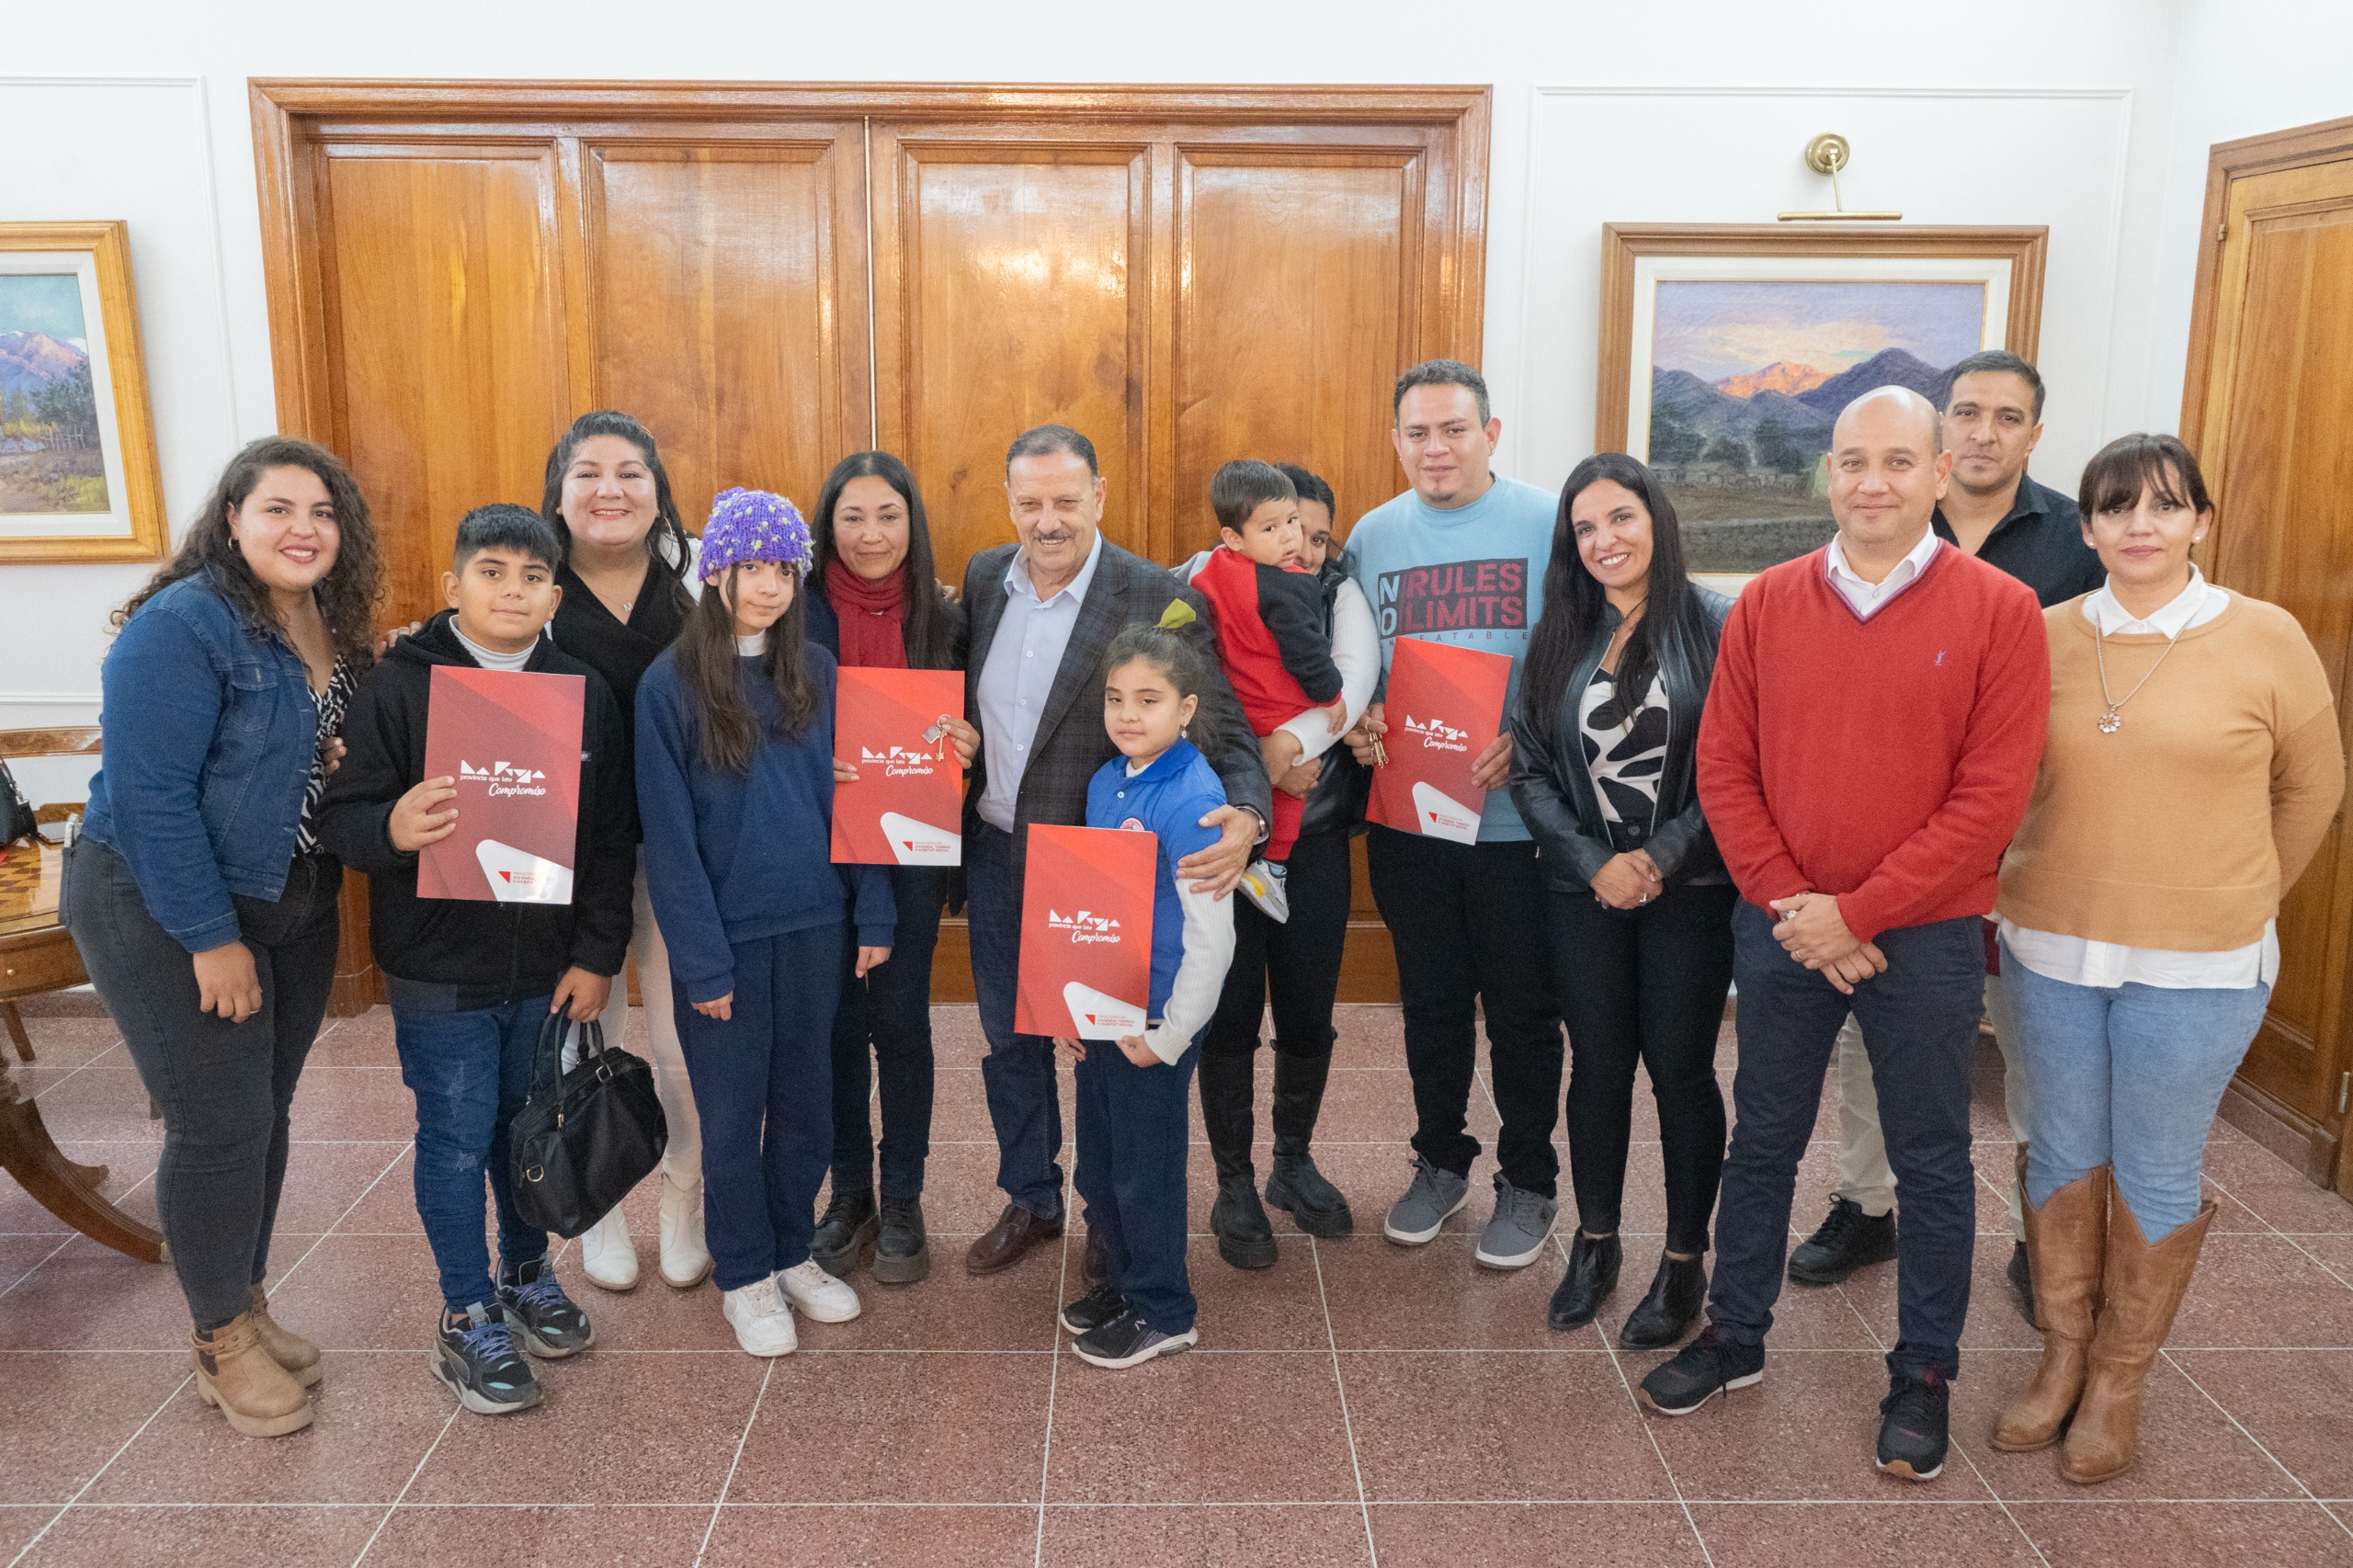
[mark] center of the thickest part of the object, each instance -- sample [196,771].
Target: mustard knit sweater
[2183,828]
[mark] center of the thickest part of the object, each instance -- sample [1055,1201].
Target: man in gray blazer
[1043,612]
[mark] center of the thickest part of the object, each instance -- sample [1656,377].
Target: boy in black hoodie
[472,983]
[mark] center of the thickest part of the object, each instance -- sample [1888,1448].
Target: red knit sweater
[1886,761]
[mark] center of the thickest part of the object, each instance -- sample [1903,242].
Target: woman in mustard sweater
[2192,767]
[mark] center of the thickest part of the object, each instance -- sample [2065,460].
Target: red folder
[512,741]
[907,807]
[1445,706]
[1087,932]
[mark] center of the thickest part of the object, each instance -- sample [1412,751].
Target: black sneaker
[1912,1430]
[1095,1309]
[1129,1341]
[1847,1240]
[845,1231]
[902,1247]
[2022,1280]
[1708,1366]
[473,1353]
[547,1320]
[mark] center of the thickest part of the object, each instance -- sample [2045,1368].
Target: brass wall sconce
[1826,154]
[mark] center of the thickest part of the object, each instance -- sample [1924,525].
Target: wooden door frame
[2322,1150]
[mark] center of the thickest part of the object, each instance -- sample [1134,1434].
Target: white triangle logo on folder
[518,877]
[920,844]
[1094,1015]
[1443,816]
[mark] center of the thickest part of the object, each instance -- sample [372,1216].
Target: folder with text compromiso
[907,807]
[1087,932]
[512,740]
[1444,705]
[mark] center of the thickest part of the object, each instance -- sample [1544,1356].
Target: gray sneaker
[1522,1222]
[1415,1218]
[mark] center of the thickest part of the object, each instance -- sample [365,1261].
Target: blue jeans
[1018,1071]
[764,1083]
[1133,1130]
[2128,1076]
[1919,1022]
[888,1011]
[470,1071]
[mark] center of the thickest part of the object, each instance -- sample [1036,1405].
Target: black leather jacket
[1555,794]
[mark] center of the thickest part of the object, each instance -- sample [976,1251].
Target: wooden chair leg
[17,1035]
[28,1153]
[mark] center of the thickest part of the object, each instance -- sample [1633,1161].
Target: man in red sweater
[1867,750]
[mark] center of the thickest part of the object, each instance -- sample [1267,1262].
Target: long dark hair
[710,670]
[929,623]
[666,543]
[1577,606]
[346,594]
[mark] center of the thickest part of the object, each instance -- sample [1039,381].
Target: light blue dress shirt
[1023,661]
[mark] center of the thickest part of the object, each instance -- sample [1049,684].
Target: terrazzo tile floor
[1358,1403]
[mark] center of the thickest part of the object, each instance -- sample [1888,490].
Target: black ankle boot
[1593,1274]
[847,1229]
[1677,1292]
[903,1249]
[1295,1185]
[1244,1239]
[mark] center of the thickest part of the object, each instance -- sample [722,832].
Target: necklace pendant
[2110,721]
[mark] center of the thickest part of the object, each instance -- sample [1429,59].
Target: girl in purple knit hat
[736,721]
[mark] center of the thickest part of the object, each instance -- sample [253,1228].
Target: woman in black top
[874,601]
[629,562]
[1602,772]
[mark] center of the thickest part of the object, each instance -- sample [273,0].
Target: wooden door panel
[1010,291]
[728,290]
[443,288]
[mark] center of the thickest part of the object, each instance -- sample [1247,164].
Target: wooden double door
[2268,408]
[772,276]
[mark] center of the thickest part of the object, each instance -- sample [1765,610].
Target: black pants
[1648,984]
[224,1088]
[1468,923]
[889,1011]
[1296,963]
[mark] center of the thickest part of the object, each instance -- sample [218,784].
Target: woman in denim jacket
[204,910]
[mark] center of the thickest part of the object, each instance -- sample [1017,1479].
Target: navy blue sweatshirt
[733,857]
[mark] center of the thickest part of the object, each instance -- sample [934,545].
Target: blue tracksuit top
[1168,799]
[732,858]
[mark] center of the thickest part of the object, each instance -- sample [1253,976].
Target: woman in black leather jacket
[1602,773]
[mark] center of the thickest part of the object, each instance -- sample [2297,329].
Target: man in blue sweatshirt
[1460,559]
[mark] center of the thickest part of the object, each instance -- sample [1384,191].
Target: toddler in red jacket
[1273,636]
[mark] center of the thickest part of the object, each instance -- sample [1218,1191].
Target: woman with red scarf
[873,601]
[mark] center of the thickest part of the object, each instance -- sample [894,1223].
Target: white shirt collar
[2194,606]
[1016,575]
[1867,597]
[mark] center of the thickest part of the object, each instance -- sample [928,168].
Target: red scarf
[873,616]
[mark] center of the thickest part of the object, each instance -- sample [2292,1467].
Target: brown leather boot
[2067,1240]
[2142,1291]
[289,1349]
[234,1372]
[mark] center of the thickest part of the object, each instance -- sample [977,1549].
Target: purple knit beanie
[753,525]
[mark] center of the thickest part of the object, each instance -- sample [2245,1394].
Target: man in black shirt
[1992,419]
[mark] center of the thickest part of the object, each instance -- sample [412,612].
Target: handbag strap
[547,1065]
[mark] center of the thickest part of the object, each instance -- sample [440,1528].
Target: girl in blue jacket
[1132,1093]
[735,722]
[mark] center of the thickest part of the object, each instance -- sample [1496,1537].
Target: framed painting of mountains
[1727,351]
[78,480]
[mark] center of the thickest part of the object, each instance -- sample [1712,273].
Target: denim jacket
[209,734]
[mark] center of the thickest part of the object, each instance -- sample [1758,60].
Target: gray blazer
[1071,742]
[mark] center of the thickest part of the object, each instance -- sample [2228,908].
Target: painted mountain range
[1780,376]
[32,360]
[1802,401]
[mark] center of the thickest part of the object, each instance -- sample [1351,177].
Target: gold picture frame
[78,477]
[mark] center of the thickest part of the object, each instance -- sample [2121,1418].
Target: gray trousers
[1864,1178]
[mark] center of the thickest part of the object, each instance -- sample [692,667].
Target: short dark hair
[1992,362]
[1243,485]
[1045,441]
[502,524]
[1311,487]
[1440,373]
[2123,471]
[1164,651]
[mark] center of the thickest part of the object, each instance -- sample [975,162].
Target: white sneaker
[818,1294]
[686,1260]
[763,1324]
[1266,885]
[607,1254]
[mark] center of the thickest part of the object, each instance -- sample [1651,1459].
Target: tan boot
[286,1347]
[234,1372]
[2066,1241]
[2142,1291]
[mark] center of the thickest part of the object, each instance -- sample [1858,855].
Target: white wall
[2012,111]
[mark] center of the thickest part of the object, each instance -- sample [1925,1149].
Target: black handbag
[584,1138]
